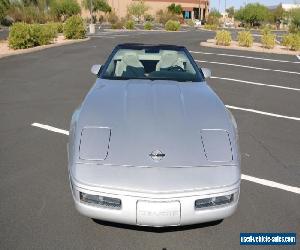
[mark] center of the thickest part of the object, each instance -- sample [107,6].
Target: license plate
[158,213]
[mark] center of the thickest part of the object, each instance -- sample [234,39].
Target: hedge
[22,35]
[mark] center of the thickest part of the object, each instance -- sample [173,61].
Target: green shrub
[172,25]
[292,41]
[129,25]
[117,25]
[245,39]
[74,28]
[223,37]
[148,26]
[210,26]
[268,40]
[42,34]
[20,36]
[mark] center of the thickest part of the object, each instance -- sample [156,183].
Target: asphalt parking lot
[37,211]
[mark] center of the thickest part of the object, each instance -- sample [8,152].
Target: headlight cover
[100,201]
[214,201]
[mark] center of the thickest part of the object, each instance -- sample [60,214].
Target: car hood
[120,123]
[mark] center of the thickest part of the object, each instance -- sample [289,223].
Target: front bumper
[157,210]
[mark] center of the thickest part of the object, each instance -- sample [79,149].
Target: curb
[262,50]
[39,48]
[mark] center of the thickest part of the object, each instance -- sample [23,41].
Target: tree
[278,13]
[252,13]
[62,9]
[230,12]
[137,9]
[175,9]
[295,17]
[97,5]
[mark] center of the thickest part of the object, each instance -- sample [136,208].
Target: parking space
[45,87]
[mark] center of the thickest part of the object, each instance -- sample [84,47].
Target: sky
[238,3]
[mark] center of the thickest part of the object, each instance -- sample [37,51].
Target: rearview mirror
[95,69]
[206,72]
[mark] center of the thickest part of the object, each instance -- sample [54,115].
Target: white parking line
[50,128]
[273,184]
[264,113]
[250,67]
[255,83]
[240,56]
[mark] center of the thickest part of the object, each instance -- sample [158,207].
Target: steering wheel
[176,68]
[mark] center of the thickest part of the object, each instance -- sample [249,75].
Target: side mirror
[95,69]
[206,72]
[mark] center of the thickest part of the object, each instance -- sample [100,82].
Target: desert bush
[172,25]
[245,39]
[268,40]
[129,24]
[190,22]
[74,28]
[265,30]
[22,35]
[210,26]
[164,16]
[62,9]
[4,6]
[27,14]
[223,37]
[292,41]
[149,18]
[214,17]
[101,19]
[148,26]
[117,25]
[137,9]
[112,18]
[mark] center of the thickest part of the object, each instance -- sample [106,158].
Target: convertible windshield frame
[198,77]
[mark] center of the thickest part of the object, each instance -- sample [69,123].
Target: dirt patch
[256,47]
[59,41]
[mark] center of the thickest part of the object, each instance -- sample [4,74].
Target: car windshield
[152,63]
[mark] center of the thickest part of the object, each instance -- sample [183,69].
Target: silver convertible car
[152,144]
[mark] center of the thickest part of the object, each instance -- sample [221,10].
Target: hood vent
[216,145]
[94,143]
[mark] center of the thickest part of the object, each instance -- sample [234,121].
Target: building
[285,6]
[190,7]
